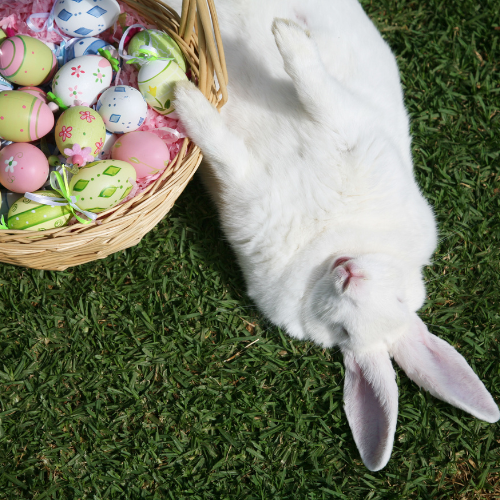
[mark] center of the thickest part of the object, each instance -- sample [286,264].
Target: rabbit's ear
[203,124]
[436,366]
[371,405]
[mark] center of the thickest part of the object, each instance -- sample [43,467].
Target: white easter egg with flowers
[82,79]
[83,18]
[122,108]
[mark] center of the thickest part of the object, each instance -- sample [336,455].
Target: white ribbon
[141,59]
[48,24]
[60,202]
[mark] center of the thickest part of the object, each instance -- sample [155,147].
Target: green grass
[150,374]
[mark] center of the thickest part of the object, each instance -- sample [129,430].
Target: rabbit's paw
[190,103]
[292,40]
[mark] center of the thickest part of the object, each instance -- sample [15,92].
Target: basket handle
[201,14]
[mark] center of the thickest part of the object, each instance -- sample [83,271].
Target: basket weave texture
[197,34]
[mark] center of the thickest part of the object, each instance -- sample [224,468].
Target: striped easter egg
[85,47]
[26,61]
[34,216]
[38,93]
[23,117]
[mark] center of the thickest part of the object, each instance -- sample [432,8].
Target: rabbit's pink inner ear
[371,405]
[436,366]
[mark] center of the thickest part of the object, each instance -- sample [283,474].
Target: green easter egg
[157,81]
[26,61]
[3,35]
[80,125]
[164,45]
[23,117]
[34,216]
[102,184]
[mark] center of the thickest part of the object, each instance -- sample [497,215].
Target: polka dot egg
[23,117]
[33,216]
[102,184]
[122,108]
[26,61]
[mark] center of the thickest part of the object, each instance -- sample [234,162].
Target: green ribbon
[147,55]
[60,185]
[53,98]
[115,63]
[2,223]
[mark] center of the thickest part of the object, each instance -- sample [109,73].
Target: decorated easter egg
[80,18]
[34,216]
[157,81]
[78,47]
[80,125]
[23,117]
[145,151]
[23,167]
[82,79]
[26,61]
[122,108]
[159,43]
[105,153]
[38,93]
[102,184]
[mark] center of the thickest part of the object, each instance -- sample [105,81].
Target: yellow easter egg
[102,184]
[33,216]
[156,82]
[26,61]
[80,125]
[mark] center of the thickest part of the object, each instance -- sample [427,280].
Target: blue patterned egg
[122,109]
[81,18]
[90,46]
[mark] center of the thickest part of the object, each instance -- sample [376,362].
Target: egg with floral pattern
[82,80]
[80,126]
[23,167]
[156,81]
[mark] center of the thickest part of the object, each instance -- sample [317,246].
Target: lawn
[150,374]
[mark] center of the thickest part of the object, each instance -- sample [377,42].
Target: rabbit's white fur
[309,162]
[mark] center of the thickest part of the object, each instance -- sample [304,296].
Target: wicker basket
[123,227]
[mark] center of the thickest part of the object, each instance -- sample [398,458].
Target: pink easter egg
[38,93]
[23,167]
[145,151]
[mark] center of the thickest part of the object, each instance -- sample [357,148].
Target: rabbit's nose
[350,273]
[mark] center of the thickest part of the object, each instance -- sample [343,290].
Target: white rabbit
[310,166]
